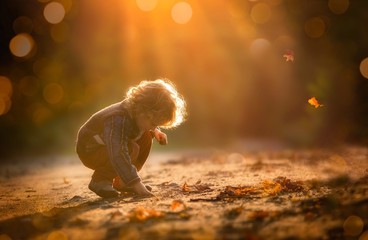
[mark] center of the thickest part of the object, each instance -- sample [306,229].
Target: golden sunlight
[181,12]
[54,12]
[21,45]
[364,68]
[338,6]
[146,5]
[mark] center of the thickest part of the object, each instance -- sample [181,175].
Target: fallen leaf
[202,187]
[177,206]
[314,102]
[197,188]
[289,56]
[271,188]
[185,187]
[239,191]
[140,214]
[289,186]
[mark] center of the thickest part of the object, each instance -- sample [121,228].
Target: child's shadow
[28,226]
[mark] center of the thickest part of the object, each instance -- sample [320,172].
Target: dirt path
[242,194]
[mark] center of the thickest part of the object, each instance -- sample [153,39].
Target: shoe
[103,189]
[118,185]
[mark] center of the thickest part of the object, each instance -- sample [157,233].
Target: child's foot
[121,187]
[103,189]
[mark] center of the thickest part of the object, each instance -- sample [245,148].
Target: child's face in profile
[145,122]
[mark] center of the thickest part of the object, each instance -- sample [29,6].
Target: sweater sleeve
[116,139]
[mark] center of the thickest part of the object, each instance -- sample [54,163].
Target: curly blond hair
[158,99]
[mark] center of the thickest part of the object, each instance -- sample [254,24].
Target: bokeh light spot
[5,105]
[238,10]
[338,6]
[315,27]
[353,226]
[259,47]
[67,4]
[181,12]
[23,25]
[364,236]
[146,5]
[53,93]
[21,45]
[364,68]
[260,13]
[54,12]
[274,2]
[4,237]
[59,32]
[6,90]
[41,115]
[28,86]
[6,87]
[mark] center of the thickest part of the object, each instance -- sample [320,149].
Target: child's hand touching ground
[141,190]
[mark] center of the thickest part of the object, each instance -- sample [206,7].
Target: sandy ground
[214,194]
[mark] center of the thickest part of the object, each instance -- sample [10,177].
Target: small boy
[115,142]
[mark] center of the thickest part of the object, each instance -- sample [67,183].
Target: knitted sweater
[111,127]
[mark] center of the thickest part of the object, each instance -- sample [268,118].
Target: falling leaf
[177,206]
[140,214]
[289,56]
[314,102]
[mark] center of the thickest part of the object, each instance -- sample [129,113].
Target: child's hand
[161,137]
[141,190]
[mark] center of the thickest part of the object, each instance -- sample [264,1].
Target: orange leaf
[313,101]
[141,214]
[177,205]
[185,187]
[289,56]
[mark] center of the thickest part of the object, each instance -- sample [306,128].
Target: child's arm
[160,136]
[116,141]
